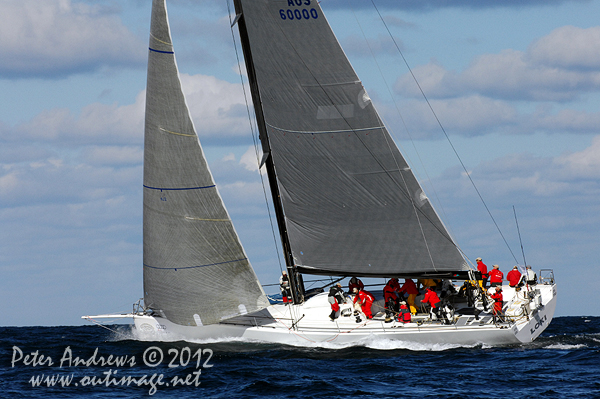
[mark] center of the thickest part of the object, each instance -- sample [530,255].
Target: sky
[515,85]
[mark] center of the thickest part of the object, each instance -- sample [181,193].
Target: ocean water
[92,362]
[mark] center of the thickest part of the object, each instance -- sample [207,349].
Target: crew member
[498,302]
[426,282]
[390,290]
[411,290]
[355,283]
[335,298]
[484,272]
[404,316]
[432,299]
[365,299]
[514,277]
[390,298]
[530,276]
[448,288]
[284,284]
[496,276]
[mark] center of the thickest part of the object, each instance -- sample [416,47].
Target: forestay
[195,269]
[351,203]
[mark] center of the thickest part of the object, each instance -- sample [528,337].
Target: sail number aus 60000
[291,14]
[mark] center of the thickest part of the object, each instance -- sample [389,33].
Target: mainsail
[195,269]
[351,204]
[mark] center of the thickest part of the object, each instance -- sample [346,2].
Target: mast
[295,279]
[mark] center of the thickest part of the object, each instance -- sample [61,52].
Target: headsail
[351,203]
[195,269]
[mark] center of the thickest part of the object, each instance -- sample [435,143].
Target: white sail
[351,204]
[195,269]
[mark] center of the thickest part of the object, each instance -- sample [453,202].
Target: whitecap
[565,346]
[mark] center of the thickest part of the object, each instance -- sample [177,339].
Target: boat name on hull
[538,324]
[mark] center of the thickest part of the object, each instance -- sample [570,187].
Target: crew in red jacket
[498,302]
[365,298]
[404,316]
[355,283]
[390,290]
[390,298]
[410,288]
[432,299]
[514,277]
[484,272]
[496,276]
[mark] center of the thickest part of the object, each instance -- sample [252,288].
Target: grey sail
[351,203]
[195,269]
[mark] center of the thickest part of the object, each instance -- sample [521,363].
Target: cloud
[217,108]
[509,75]
[568,47]
[64,180]
[558,67]
[250,160]
[583,164]
[525,178]
[429,5]
[355,44]
[555,199]
[56,38]
[512,91]
[573,121]
[469,116]
[96,123]
[113,155]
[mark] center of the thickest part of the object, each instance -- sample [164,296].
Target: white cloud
[228,157]
[568,47]
[558,67]
[113,155]
[472,115]
[563,120]
[96,123]
[58,37]
[250,160]
[382,44]
[9,182]
[583,164]
[217,107]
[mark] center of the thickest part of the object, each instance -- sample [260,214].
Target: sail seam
[158,40]
[332,84]
[160,51]
[195,267]
[178,134]
[208,220]
[178,189]
[325,131]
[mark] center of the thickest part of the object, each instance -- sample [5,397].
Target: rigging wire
[521,241]
[406,129]
[253,130]
[444,131]
[389,145]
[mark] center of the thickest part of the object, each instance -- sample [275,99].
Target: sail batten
[350,201]
[193,259]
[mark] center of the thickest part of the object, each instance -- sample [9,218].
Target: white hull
[276,324]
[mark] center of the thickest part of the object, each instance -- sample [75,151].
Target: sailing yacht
[346,201]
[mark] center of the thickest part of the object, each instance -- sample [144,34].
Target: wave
[565,346]
[372,342]
[565,333]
